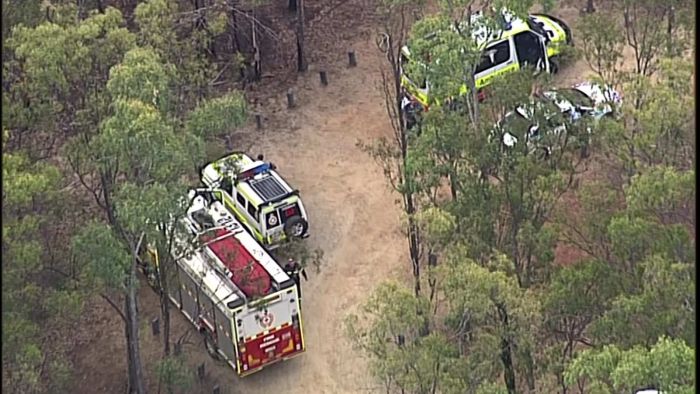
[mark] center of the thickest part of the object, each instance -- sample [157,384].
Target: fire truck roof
[250,277]
[233,265]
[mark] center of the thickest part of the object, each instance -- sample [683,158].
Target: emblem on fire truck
[266,320]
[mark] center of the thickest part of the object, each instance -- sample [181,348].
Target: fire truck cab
[232,289]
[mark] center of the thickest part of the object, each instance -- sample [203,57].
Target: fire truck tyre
[295,227]
[211,346]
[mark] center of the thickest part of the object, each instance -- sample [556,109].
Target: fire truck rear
[233,291]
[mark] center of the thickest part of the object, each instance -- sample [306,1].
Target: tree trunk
[506,353]
[235,44]
[589,7]
[107,193]
[164,306]
[413,232]
[453,187]
[301,58]
[136,385]
[432,281]
[669,27]
[413,243]
[530,372]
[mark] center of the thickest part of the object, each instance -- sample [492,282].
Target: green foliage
[437,226]
[170,31]
[218,116]
[588,229]
[577,295]
[492,318]
[33,303]
[19,12]
[651,29]
[391,330]
[175,374]
[103,253]
[141,76]
[155,19]
[57,73]
[602,43]
[662,304]
[661,131]
[662,194]
[489,208]
[668,366]
[138,141]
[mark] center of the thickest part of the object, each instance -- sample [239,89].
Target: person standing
[293,269]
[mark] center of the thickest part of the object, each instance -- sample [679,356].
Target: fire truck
[232,289]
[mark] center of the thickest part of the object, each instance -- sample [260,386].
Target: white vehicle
[231,289]
[582,100]
[587,99]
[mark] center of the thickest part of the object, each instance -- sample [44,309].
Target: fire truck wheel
[211,346]
[295,227]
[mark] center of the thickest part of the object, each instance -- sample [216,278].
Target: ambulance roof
[232,265]
[511,25]
[257,181]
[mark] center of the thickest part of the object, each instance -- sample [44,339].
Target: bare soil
[353,217]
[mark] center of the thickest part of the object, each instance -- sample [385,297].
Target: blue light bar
[262,168]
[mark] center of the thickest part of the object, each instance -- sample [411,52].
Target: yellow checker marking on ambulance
[486,80]
[553,48]
[480,83]
[414,91]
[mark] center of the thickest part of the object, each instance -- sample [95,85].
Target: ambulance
[259,198]
[537,40]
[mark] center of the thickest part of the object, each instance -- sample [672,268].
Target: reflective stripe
[301,324]
[414,91]
[486,80]
[480,83]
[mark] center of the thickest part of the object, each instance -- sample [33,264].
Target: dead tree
[233,23]
[257,67]
[301,57]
